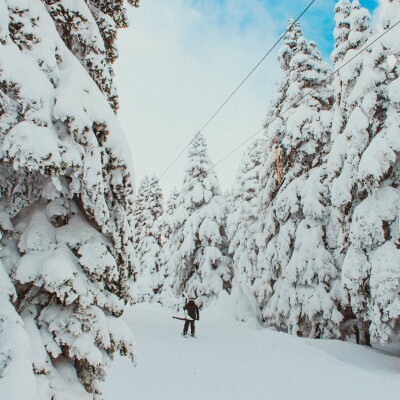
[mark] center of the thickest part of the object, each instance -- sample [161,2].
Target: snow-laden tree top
[148,240]
[199,265]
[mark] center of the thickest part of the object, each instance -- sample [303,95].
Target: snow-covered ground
[240,361]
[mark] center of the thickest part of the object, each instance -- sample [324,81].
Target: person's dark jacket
[192,310]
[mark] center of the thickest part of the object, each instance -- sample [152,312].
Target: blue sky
[317,23]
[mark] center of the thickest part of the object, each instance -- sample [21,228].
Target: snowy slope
[237,361]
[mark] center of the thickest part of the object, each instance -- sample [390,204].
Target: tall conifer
[66,195]
[200,266]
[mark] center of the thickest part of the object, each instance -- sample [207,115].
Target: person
[191,314]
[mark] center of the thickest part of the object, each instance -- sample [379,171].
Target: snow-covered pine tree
[243,221]
[295,260]
[269,265]
[169,224]
[350,135]
[15,347]
[89,30]
[371,269]
[66,194]
[342,29]
[200,266]
[340,35]
[147,213]
[229,196]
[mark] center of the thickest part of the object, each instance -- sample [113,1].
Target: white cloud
[179,61]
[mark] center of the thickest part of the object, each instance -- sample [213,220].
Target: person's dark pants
[186,327]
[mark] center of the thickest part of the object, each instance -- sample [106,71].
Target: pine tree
[168,233]
[147,213]
[342,29]
[89,30]
[350,136]
[200,266]
[243,222]
[372,264]
[296,261]
[15,346]
[167,225]
[268,264]
[66,192]
[229,197]
[341,36]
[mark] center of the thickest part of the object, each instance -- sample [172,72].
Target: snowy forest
[305,242]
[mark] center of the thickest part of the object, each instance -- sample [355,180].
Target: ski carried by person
[192,314]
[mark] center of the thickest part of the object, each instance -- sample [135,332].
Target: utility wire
[305,95]
[238,87]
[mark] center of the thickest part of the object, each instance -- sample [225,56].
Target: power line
[305,95]
[238,87]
